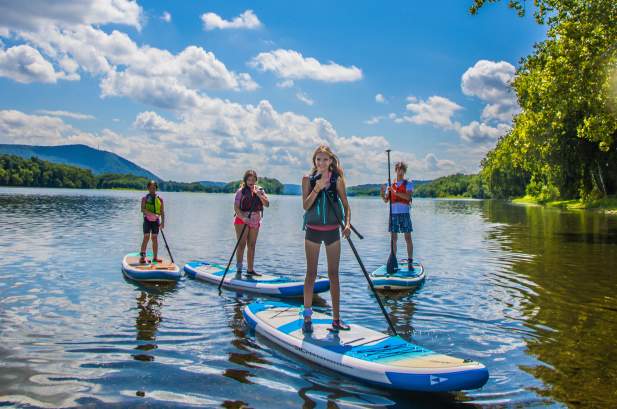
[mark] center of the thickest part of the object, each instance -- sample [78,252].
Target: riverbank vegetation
[34,172]
[562,144]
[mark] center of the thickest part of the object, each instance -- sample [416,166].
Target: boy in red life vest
[400,194]
[154,219]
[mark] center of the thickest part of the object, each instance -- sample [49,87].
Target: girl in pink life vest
[250,200]
[400,193]
[154,219]
[324,200]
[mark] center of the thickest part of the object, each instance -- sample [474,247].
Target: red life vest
[249,201]
[399,188]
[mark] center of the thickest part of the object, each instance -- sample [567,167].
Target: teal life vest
[321,213]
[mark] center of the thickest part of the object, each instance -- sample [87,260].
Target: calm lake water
[530,292]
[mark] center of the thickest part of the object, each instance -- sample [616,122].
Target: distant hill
[209,183]
[373,189]
[99,162]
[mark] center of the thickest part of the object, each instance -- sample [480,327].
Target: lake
[528,291]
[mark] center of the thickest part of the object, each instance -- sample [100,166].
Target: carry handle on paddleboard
[238,242]
[370,283]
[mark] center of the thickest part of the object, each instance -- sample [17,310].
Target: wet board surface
[403,278]
[363,353]
[264,284]
[150,271]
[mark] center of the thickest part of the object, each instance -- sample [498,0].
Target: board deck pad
[401,279]
[264,283]
[364,353]
[150,271]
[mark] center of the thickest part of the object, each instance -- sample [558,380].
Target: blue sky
[202,90]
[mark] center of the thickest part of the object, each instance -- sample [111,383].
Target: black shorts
[151,227]
[327,237]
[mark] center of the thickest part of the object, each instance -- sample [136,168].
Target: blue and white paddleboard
[150,271]
[372,356]
[402,279]
[263,284]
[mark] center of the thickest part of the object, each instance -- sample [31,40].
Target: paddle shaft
[168,251]
[368,279]
[390,203]
[238,243]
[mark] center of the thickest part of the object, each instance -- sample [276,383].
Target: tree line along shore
[20,172]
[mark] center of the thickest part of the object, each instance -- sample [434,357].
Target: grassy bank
[607,204]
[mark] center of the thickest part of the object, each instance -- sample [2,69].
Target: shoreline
[606,205]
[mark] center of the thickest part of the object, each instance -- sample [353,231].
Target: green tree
[562,144]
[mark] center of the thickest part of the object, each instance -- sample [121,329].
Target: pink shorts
[239,221]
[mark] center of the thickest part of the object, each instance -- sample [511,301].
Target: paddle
[370,283]
[237,243]
[168,251]
[392,264]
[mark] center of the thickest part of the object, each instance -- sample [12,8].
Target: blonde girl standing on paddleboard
[323,194]
[249,204]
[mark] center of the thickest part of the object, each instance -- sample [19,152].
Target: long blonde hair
[335,166]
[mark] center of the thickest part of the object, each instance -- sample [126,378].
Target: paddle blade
[392,264]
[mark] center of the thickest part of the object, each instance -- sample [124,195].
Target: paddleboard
[362,353]
[151,271]
[263,284]
[402,279]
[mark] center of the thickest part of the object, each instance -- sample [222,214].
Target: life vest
[400,188]
[249,200]
[153,204]
[321,212]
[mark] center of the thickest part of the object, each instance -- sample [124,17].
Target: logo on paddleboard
[437,379]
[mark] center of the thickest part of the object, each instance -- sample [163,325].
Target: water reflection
[530,292]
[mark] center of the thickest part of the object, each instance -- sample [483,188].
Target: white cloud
[290,64]
[285,84]
[302,96]
[33,14]
[166,17]
[152,122]
[481,132]
[246,20]
[66,114]
[491,81]
[436,110]
[119,60]
[432,164]
[374,120]
[379,98]
[25,64]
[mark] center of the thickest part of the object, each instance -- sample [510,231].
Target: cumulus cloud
[436,110]
[290,64]
[481,132]
[166,17]
[379,98]
[491,81]
[25,64]
[432,164]
[302,96]
[66,114]
[246,20]
[32,14]
[128,68]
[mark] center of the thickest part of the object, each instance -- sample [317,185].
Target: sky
[203,90]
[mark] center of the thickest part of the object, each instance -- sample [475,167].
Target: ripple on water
[74,332]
